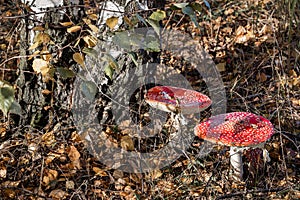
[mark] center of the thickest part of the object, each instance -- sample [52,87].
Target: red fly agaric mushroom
[238,130]
[177,100]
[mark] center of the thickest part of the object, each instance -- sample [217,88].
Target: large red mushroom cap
[173,99]
[239,129]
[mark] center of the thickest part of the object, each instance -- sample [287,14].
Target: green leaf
[158,15]
[111,61]
[89,89]
[65,73]
[155,25]
[15,108]
[197,7]
[90,52]
[134,60]
[128,41]
[6,97]
[109,71]
[152,44]
[191,13]
[180,5]
[122,40]
[140,18]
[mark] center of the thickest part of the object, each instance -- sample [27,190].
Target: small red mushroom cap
[173,99]
[235,129]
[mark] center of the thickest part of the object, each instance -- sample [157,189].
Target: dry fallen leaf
[46,92]
[49,176]
[58,194]
[90,40]
[77,57]
[261,77]
[73,29]
[99,172]
[155,174]
[3,172]
[127,143]
[48,138]
[40,66]
[221,67]
[74,156]
[70,185]
[66,23]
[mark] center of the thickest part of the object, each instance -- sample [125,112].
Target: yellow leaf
[99,172]
[112,22]
[66,23]
[46,92]
[87,21]
[90,40]
[40,66]
[93,28]
[38,28]
[34,45]
[127,143]
[42,38]
[128,21]
[46,55]
[73,29]
[221,67]
[77,57]
[93,16]
[33,55]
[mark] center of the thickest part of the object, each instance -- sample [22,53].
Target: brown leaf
[74,156]
[127,143]
[99,172]
[3,172]
[58,194]
[70,185]
[261,77]
[48,138]
[46,92]
[155,174]
[49,176]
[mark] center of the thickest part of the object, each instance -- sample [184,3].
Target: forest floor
[255,45]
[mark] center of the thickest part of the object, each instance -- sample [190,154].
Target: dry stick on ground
[242,194]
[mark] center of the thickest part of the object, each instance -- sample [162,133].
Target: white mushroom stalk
[239,130]
[178,101]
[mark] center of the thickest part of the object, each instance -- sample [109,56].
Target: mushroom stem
[179,120]
[236,162]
